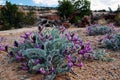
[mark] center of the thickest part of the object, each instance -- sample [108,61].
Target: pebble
[110,73]
[24,77]
[28,79]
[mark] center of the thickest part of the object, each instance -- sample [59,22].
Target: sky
[95,4]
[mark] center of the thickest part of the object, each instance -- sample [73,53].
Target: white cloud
[104,4]
[2,2]
[46,2]
[20,3]
[95,4]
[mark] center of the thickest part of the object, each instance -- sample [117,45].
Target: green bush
[10,16]
[65,9]
[117,19]
[29,18]
[48,52]
[99,30]
[74,11]
[111,41]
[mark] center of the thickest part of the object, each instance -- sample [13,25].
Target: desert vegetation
[78,46]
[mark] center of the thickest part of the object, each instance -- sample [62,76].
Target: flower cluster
[111,41]
[49,52]
[99,29]
[3,44]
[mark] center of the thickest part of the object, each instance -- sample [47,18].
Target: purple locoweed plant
[100,29]
[49,51]
[111,41]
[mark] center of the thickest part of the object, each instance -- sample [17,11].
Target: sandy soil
[92,70]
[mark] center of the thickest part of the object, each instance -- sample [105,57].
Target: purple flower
[42,46]
[26,35]
[63,29]
[68,37]
[82,52]
[72,34]
[40,28]
[20,53]
[70,64]
[81,43]
[88,47]
[18,57]
[79,65]
[43,38]
[11,54]
[37,61]
[69,58]
[6,48]
[15,43]
[24,66]
[75,38]
[20,42]
[2,48]
[3,39]
[52,69]
[42,71]
[38,46]
[34,39]
[77,46]
[65,51]
[50,37]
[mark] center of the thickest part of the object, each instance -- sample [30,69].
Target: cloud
[2,2]
[103,4]
[46,2]
[20,3]
[95,4]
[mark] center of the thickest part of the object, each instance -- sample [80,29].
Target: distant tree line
[11,17]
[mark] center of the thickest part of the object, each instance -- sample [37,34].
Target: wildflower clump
[49,51]
[111,41]
[99,29]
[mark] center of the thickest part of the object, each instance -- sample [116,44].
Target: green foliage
[76,19]
[99,30]
[50,56]
[117,19]
[10,16]
[82,7]
[101,55]
[76,11]
[118,9]
[48,51]
[111,41]
[65,9]
[110,10]
[29,18]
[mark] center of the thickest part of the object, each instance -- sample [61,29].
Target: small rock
[28,79]
[111,73]
[24,77]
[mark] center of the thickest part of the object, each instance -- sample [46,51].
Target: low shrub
[111,41]
[48,52]
[99,54]
[117,19]
[99,29]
